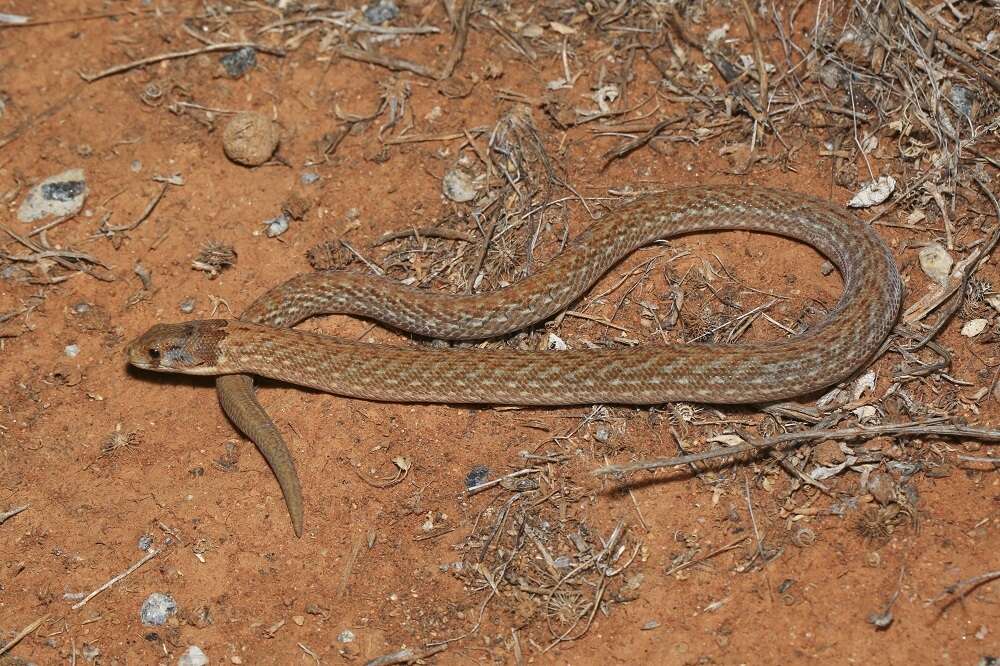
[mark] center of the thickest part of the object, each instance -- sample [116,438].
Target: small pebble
[296,206]
[882,488]
[555,343]
[602,435]
[994,301]
[81,308]
[458,185]
[866,414]
[873,193]
[194,656]
[865,382]
[379,12]
[56,196]
[250,138]
[72,350]
[145,542]
[156,609]
[239,62]
[831,75]
[974,327]
[276,226]
[90,652]
[650,624]
[881,620]
[346,636]
[532,31]
[963,99]
[135,166]
[434,114]
[187,305]
[936,262]
[478,474]
[309,177]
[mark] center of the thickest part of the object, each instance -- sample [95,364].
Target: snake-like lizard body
[260,343]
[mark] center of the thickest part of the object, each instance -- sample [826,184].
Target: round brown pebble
[250,138]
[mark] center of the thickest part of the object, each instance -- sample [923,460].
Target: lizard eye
[154,353]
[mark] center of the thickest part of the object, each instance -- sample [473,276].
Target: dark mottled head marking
[191,347]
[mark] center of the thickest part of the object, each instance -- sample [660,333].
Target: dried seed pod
[250,138]
[329,255]
[804,537]
[296,206]
[882,487]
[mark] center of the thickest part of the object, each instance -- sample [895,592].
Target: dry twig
[21,634]
[7,515]
[212,48]
[959,590]
[406,656]
[153,552]
[795,438]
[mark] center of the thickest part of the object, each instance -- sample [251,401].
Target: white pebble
[874,192]
[994,301]
[973,328]
[156,609]
[194,656]
[458,185]
[57,196]
[865,382]
[936,262]
[276,226]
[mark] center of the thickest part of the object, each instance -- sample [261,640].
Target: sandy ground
[775,576]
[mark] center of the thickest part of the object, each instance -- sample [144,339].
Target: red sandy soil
[248,591]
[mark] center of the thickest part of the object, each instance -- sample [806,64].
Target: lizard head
[190,348]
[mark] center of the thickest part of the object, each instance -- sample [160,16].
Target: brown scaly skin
[745,373]
[192,348]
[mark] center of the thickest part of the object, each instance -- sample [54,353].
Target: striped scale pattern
[742,373]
